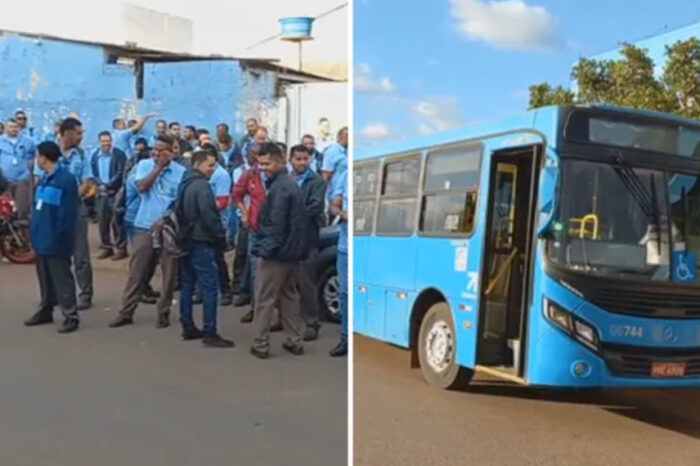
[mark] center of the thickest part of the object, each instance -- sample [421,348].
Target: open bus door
[507,259]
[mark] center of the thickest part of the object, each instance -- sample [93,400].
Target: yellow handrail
[502,271]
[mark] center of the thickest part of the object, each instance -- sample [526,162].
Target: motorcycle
[14,234]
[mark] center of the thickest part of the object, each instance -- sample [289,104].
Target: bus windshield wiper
[647,201]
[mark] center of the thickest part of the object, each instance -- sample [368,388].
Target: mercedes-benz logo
[670,335]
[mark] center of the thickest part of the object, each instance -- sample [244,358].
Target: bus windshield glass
[605,129]
[618,220]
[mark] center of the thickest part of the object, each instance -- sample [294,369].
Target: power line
[276,36]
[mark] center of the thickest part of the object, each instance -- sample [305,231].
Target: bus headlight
[575,327]
[558,316]
[586,334]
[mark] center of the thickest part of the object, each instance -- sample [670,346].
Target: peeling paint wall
[51,79]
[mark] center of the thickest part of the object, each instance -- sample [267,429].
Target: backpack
[176,233]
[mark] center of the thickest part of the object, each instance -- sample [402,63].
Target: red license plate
[668,369]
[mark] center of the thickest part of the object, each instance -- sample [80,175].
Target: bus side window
[450,191]
[398,200]
[364,197]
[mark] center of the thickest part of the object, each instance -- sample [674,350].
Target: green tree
[543,94]
[682,77]
[630,81]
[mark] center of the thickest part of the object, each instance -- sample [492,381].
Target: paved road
[399,420]
[141,396]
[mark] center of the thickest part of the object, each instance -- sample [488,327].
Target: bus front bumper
[564,362]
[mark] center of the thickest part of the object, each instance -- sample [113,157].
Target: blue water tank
[297,28]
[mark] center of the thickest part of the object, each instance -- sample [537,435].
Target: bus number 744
[634,331]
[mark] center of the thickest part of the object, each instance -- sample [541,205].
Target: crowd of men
[179,200]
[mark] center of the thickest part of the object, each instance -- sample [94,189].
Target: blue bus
[556,248]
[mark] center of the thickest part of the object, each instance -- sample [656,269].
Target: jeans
[342,268]
[233,224]
[200,266]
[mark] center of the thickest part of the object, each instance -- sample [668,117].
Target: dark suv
[327,276]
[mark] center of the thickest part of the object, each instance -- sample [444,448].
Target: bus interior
[507,259]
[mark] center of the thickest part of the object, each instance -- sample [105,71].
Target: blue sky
[422,66]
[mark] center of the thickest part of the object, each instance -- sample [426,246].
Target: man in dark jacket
[108,164]
[280,250]
[4,184]
[53,223]
[313,190]
[201,226]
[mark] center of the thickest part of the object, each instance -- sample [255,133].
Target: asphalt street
[141,396]
[400,420]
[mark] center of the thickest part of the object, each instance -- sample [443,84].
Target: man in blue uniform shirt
[158,180]
[16,156]
[124,137]
[53,223]
[335,162]
[24,130]
[75,161]
[339,207]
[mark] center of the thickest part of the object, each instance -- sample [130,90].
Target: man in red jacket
[249,193]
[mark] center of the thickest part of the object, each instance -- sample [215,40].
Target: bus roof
[525,120]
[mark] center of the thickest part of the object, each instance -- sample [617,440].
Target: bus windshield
[618,220]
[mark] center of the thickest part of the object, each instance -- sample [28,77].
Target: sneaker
[147,299]
[105,253]
[241,301]
[121,254]
[121,321]
[216,341]
[163,321]
[260,354]
[192,333]
[226,300]
[247,318]
[341,349]
[151,293]
[296,350]
[39,318]
[84,304]
[311,333]
[69,326]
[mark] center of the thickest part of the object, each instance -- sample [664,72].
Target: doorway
[507,258]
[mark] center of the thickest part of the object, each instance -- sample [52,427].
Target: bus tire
[437,350]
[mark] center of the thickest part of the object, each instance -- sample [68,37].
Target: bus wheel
[437,347]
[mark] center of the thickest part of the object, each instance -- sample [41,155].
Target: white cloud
[424,129]
[375,130]
[437,114]
[509,24]
[364,81]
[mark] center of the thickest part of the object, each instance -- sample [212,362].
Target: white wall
[308,103]
[225,27]
[110,22]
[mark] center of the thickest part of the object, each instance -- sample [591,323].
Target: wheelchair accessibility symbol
[684,267]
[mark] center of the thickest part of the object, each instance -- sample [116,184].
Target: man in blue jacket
[107,166]
[75,161]
[53,224]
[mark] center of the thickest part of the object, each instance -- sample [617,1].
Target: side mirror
[546,199]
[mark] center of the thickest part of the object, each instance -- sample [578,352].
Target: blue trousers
[342,268]
[200,266]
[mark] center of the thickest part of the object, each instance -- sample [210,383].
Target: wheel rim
[439,346]
[331,297]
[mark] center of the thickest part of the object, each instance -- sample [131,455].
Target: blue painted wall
[50,79]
